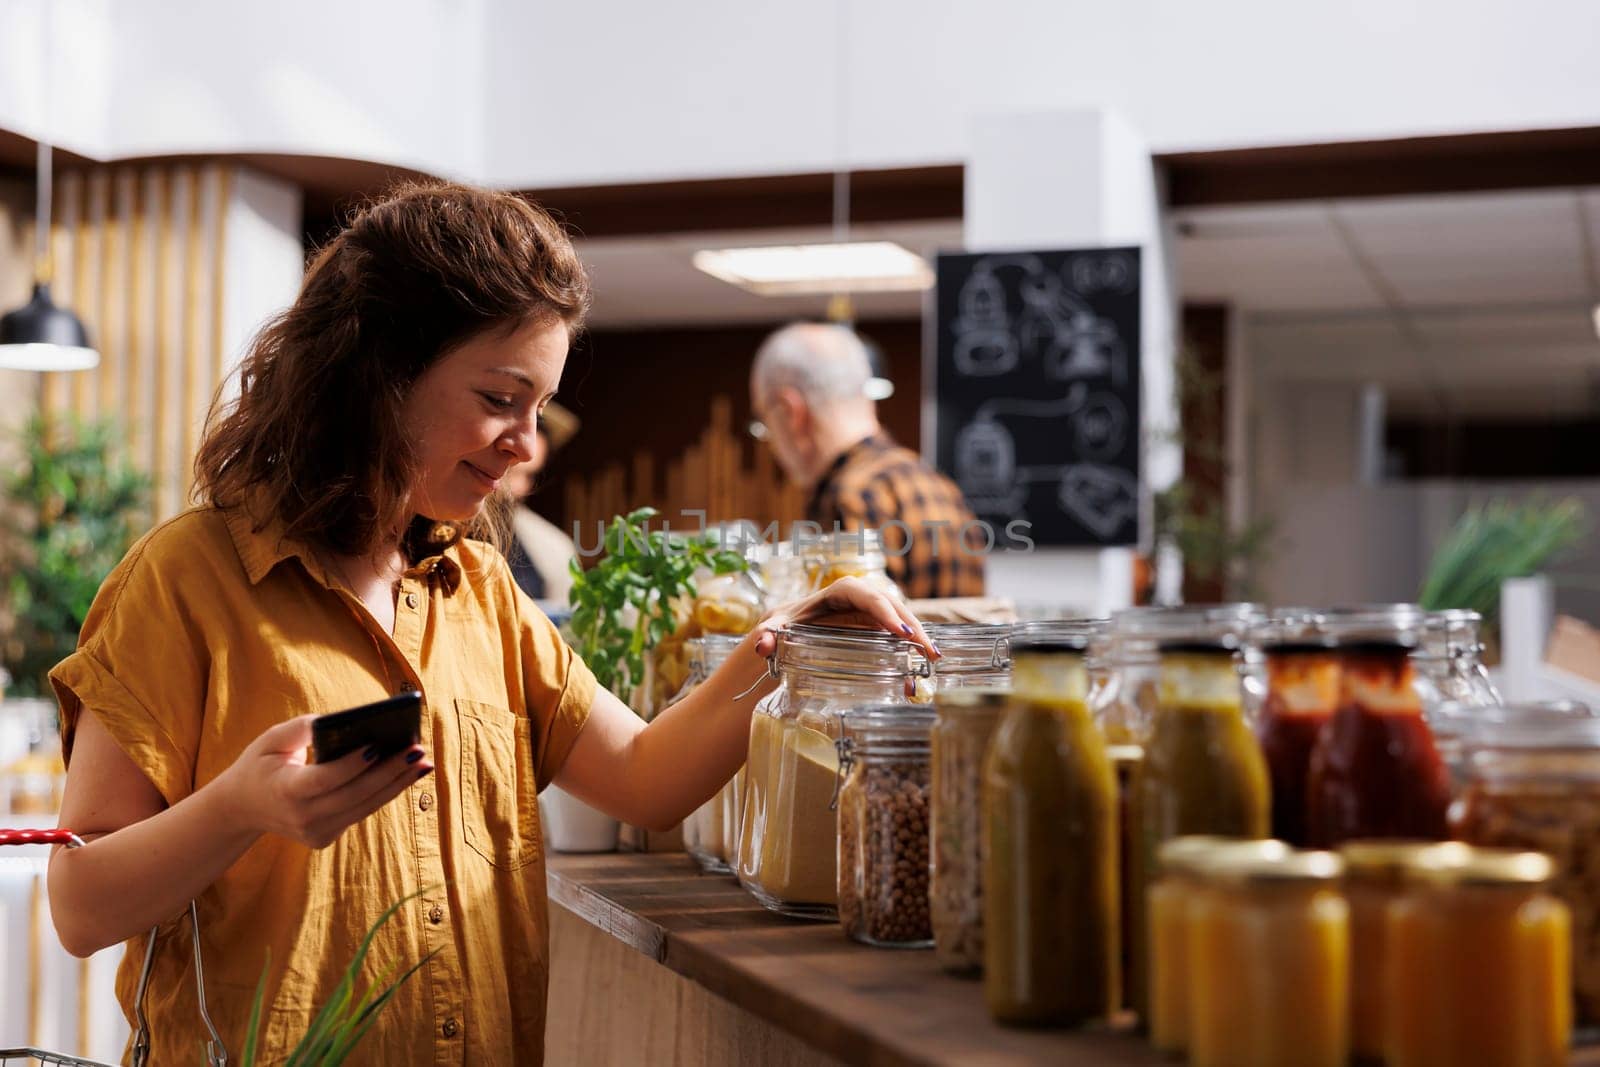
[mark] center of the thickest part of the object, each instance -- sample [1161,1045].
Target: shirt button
[436,915]
[425,801]
[451,1028]
[411,600]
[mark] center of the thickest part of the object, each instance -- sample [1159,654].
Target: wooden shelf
[851,1002]
[843,1000]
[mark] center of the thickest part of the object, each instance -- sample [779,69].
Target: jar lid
[1194,620]
[1178,855]
[1470,865]
[1290,865]
[970,647]
[857,652]
[1061,644]
[1231,849]
[1384,859]
[897,725]
[1384,627]
[1551,726]
[1284,627]
[1309,645]
[1223,646]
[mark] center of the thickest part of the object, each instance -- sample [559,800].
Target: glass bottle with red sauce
[1374,769]
[1302,692]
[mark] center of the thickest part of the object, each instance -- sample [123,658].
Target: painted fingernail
[936,651]
[424,772]
[905,628]
[412,757]
[370,754]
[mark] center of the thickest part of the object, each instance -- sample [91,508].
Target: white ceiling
[1403,254]
[650,281]
[1479,301]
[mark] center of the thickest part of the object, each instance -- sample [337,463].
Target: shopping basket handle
[40,837]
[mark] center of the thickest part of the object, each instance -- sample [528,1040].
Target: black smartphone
[390,726]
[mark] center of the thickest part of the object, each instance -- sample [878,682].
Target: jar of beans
[883,825]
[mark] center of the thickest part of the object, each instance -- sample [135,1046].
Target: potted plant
[623,607]
[1493,542]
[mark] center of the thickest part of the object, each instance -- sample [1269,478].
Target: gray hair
[826,362]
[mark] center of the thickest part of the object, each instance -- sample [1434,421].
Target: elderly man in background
[808,391]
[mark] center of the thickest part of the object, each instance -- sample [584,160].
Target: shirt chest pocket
[499,797]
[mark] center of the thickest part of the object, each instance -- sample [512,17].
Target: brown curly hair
[315,437]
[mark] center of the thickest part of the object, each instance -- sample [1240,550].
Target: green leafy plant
[70,513]
[1496,541]
[622,606]
[345,1019]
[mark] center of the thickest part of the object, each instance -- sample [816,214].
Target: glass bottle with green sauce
[1050,836]
[1203,771]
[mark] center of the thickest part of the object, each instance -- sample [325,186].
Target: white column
[1080,179]
[263,260]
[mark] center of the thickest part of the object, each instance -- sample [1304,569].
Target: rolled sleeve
[82,681]
[559,687]
[140,667]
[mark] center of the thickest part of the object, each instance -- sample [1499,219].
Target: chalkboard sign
[1037,387]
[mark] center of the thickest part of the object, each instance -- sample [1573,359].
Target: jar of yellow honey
[1478,962]
[1268,959]
[1375,877]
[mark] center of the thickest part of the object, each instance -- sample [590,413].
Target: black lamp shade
[41,336]
[41,322]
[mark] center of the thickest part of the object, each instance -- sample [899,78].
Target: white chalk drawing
[1053,322]
[1102,498]
[1101,427]
[986,468]
[985,338]
[1109,272]
[1099,497]
[1014,314]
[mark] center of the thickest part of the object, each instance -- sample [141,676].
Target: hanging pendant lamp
[41,335]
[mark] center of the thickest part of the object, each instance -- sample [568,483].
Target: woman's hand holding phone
[273,788]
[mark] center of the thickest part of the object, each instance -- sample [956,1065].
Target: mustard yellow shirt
[206,634]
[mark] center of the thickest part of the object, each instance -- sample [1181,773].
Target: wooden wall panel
[138,254]
[665,416]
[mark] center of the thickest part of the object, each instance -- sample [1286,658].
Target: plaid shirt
[876,484]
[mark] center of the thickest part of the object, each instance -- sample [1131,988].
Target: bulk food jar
[1203,772]
[1476,967]
[1181,864]
[1374,770]
[1269,962]
[1374,878]
[846,554]
[965,721]
[1533,782]
[706,834]
[1050,924]
[1300,691]
[883,825]
[1132,662]
[788,837]
[974,654]
[1449,661]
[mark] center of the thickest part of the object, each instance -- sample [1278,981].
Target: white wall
[397,81]
[521,93]
[628,90]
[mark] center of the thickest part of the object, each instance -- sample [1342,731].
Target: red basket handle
[40,837]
